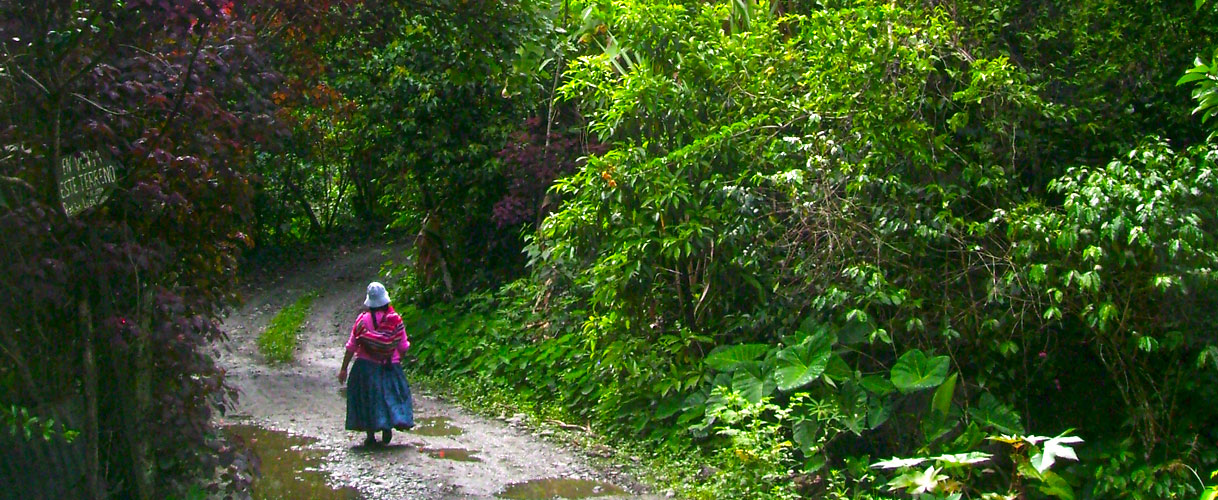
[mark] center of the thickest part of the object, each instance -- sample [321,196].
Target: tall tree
[120,302]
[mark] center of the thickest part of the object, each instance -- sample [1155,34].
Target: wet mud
[289,468]
[435,426]
[458,454]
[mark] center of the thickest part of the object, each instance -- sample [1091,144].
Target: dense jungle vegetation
[815,248]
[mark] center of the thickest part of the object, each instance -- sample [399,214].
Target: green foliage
[21,423]
[913,371]
[952,476]
[432,91]
[194,493]
[395,113]
[277,342]
[795,209]
[728,358]
[1205,89]
[1210,492]
[1125,259]
[992,414]
[757,452]
[1202,77]
[864,229]
[1122,472]
[799,365]
[119,304]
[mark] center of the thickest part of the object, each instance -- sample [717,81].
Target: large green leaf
[941,403]
[936,425]
[878,411]
[669,406]
[692,408]
[855,331]
[726,359]
[1055,486]
[852,402]
[750,382]
[915,372]
[836,370]
[940,420]
[877,384]
[800,364]
[989,412]
[804,434]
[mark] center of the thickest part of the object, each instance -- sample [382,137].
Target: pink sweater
[388,320]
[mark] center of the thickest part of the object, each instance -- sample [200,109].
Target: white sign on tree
[84,181]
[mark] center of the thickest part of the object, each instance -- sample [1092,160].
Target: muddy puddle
[290,469]
[457,454]
[546,489]
[436,426]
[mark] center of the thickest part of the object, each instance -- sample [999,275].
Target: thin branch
[162,60]
[35,80]
[99,106]
[17,181]
[92,64]
[177,105]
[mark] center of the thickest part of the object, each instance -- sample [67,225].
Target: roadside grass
[278,341]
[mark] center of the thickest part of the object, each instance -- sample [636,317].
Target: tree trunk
[431,253]
[141,463]
[314,224]
[361,202]
[52,190]
[89,363]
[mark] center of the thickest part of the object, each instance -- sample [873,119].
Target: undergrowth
[742,457]
[278,341]
[912,280]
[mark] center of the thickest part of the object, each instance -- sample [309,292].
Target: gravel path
[305,399]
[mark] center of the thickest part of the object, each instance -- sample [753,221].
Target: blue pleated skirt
[378,397]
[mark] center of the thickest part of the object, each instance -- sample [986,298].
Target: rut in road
[451,454]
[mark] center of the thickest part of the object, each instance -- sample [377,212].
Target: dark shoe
[386,435]
[370,440]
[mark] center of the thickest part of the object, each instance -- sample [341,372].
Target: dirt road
[452,454]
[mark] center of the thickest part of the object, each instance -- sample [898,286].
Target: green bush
[871,231]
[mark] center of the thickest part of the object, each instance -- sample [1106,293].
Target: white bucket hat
[377,296]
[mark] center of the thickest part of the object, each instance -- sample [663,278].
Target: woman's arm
[342,372]
[404,345]
[350,348]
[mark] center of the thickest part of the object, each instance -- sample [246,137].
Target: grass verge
[278,341]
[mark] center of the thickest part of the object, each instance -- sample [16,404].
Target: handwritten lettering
[84,179]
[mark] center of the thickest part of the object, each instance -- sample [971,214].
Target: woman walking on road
[378,397]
